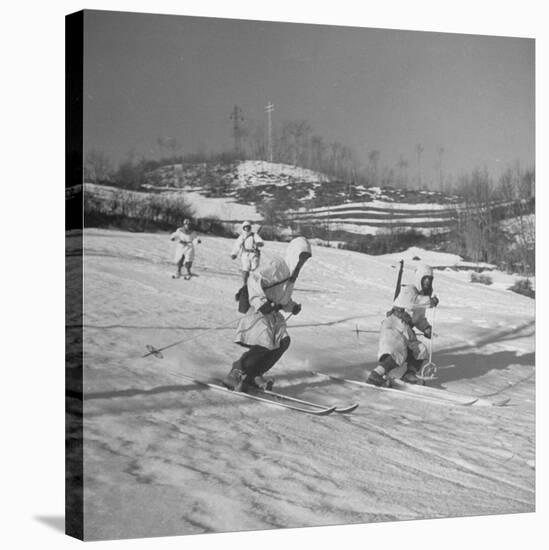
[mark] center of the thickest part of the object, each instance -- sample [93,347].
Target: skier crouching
[263,329]
[398,343]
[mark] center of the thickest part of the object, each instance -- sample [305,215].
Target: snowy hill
[292,199]
[164,456]
[305,196]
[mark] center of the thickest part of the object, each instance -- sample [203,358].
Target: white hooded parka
[270,283]
[397,337]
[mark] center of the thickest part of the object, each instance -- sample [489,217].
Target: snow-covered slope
[258,172]
[164,456]
[304,199]
[305,196]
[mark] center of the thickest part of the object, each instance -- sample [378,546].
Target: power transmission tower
[237,118]
[269,109]
[441,181]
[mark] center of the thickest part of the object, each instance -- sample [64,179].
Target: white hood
[274,270]
[295,248]
[422,270]
[277,269]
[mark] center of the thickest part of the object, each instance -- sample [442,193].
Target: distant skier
[185,240]
[263,329]
[248,245]
[398,343]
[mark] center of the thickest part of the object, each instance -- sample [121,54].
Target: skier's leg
[257,364]
[273,356]
[243,370]
[254,363]
[245,266]
[180,263]
[417,354]
[265,363]
[188,266]
[378,376]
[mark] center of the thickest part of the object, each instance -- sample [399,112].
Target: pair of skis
[276,399]
[422,393]
[185,277]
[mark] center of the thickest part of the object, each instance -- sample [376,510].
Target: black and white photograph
[300,275]
[308,259]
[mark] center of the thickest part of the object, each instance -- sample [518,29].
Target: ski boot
[236,380]
[261,383]
[377,379]
[410,377]
[428,371]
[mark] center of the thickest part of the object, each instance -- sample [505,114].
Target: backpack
[243,299]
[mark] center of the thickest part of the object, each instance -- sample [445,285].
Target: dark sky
[174,76]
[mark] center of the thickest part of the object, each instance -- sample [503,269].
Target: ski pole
[157,351]
[432,336]
[358,330]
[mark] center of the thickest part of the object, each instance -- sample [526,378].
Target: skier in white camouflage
[398,343]
[185,240]
[248,245]
[263,329]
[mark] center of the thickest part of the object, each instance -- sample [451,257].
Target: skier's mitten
[428,332]
[434,301]
[233,256]
[296,309]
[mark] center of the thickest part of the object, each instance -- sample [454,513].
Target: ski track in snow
[164,456]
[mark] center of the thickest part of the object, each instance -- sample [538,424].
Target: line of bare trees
[485,204]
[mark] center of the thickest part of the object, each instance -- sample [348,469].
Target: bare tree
[336,156]
[402,165]
[528,184]
[173,145]
[167,143]
[440,174]
[97,167]
[419,152]
[476,223]
[515,189]
[303,134]
[238,132]
[295,139]
[373,159]
[255,138]
[161,145]
[318,149]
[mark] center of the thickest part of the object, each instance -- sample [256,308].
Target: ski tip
[468,403]
[501,402]
[323,412]
[346,410]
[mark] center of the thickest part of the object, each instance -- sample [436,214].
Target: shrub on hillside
[135,211]
[481,278]
[524,287]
